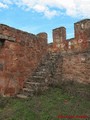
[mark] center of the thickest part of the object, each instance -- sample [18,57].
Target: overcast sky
[36,16]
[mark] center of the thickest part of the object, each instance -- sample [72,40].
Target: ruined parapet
[82,29]
[42,35]
[81,41]
[59,37]
[82,33]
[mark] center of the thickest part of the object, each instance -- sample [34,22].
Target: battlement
[80,42]
[83,21]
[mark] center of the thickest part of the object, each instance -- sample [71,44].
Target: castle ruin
[28,63]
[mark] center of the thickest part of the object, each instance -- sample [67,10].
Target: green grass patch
[48,106]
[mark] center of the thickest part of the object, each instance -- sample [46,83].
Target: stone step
[30,83]
[27,89]
[45,63]
[36,89]
[37,77]
[43,69]
[49,60]
[33,85]
[22,96]
[37,80]
[28,92]
[54,56]
[40,73]
[40,68]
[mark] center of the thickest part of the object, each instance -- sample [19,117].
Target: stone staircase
[40,79]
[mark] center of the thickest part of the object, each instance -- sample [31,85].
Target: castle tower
[82,30]
[59,36]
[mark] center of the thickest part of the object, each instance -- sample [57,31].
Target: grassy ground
[44,107]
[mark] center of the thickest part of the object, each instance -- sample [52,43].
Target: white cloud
[50,8]
[3,5]
[7,1]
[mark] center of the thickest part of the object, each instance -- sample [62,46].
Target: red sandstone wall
[18,59]
[75,53]
[76,67]
[72,67]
